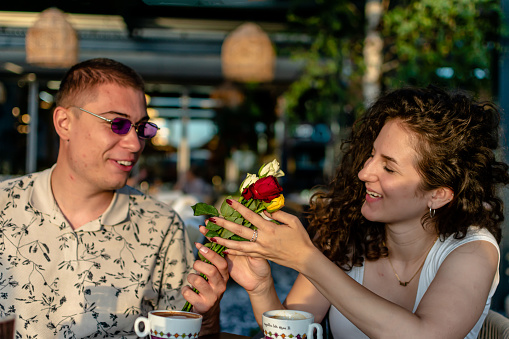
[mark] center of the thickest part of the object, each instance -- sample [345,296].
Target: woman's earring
[431,212]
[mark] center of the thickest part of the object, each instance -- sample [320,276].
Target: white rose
[271,168]
[250,179]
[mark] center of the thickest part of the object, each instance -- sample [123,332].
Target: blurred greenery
[450,43]
[458,37]
[332,61]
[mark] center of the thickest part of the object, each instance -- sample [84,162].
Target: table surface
[224,335]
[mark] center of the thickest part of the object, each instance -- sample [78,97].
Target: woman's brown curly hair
[456,140]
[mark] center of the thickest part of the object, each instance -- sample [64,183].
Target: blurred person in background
[81,253]
[404,242]
[194,184]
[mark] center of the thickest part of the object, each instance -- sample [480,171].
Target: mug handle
[319,331]
[147,327]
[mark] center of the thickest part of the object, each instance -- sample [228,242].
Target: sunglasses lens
[121,125]
[147,130]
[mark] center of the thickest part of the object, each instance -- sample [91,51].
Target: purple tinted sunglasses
[121,126]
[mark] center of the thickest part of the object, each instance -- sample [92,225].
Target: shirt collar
[43,200]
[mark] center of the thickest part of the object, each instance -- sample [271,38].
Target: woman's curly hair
[456,139]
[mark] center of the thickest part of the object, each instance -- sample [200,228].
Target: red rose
[265,189]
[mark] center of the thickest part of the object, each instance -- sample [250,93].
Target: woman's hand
[287,244]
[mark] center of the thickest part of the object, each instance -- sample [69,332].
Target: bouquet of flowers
[259,192]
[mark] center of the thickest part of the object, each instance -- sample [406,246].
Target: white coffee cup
[279,324]
[167,324]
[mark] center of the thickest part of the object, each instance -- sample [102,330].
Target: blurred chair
[495,326]
[7,327]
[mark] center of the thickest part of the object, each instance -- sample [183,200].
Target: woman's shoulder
[474,233]
[445,246]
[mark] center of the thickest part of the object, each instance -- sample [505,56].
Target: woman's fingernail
[203,249]
[225,252]
[213,239]
[229,202]
[212,220]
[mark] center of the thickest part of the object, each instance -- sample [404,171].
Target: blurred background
[236,83]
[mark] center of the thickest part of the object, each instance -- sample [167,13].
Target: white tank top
[341,327]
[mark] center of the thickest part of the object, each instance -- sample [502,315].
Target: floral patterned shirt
[92,282]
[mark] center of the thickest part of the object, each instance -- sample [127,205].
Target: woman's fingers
[282,217]
[285,218]
[234,247]
[204,230]
[269,240]
[240,230]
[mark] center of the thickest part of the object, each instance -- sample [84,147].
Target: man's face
[98,158]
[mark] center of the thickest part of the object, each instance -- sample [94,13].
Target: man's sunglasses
[144,129]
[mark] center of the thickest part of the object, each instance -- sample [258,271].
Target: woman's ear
[440,197]
[62,122]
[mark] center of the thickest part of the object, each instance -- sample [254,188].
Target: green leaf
[211,234]
[213,227]
[226,234]
[227,210]
[240,220]
[204,209]
[232,218]
[249,203]
[254,205]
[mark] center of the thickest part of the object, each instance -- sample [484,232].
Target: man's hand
[211,290]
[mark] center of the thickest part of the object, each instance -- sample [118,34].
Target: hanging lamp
[52,42]
[247,55]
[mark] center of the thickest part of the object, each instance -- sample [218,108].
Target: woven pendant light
[247,55]
[51,42]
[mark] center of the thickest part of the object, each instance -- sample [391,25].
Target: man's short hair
[80,81]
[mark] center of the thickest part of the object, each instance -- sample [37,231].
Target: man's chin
[117,184]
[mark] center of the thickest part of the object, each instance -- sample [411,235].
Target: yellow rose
[276,204]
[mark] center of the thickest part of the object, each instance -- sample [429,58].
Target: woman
[405,241]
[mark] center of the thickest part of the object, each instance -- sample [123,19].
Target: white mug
[168,324]
[293,324]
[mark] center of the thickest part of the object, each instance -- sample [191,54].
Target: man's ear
[440,197]
[62,122]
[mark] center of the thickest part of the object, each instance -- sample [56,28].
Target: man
[81,253]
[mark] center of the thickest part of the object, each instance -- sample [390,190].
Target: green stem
[187,307]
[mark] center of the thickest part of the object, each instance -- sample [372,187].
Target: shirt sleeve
[176,261]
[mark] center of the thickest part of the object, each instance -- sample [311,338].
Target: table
[224,335]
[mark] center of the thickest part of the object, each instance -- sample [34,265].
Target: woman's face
[391,180]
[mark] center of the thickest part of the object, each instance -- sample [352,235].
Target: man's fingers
[219,264]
